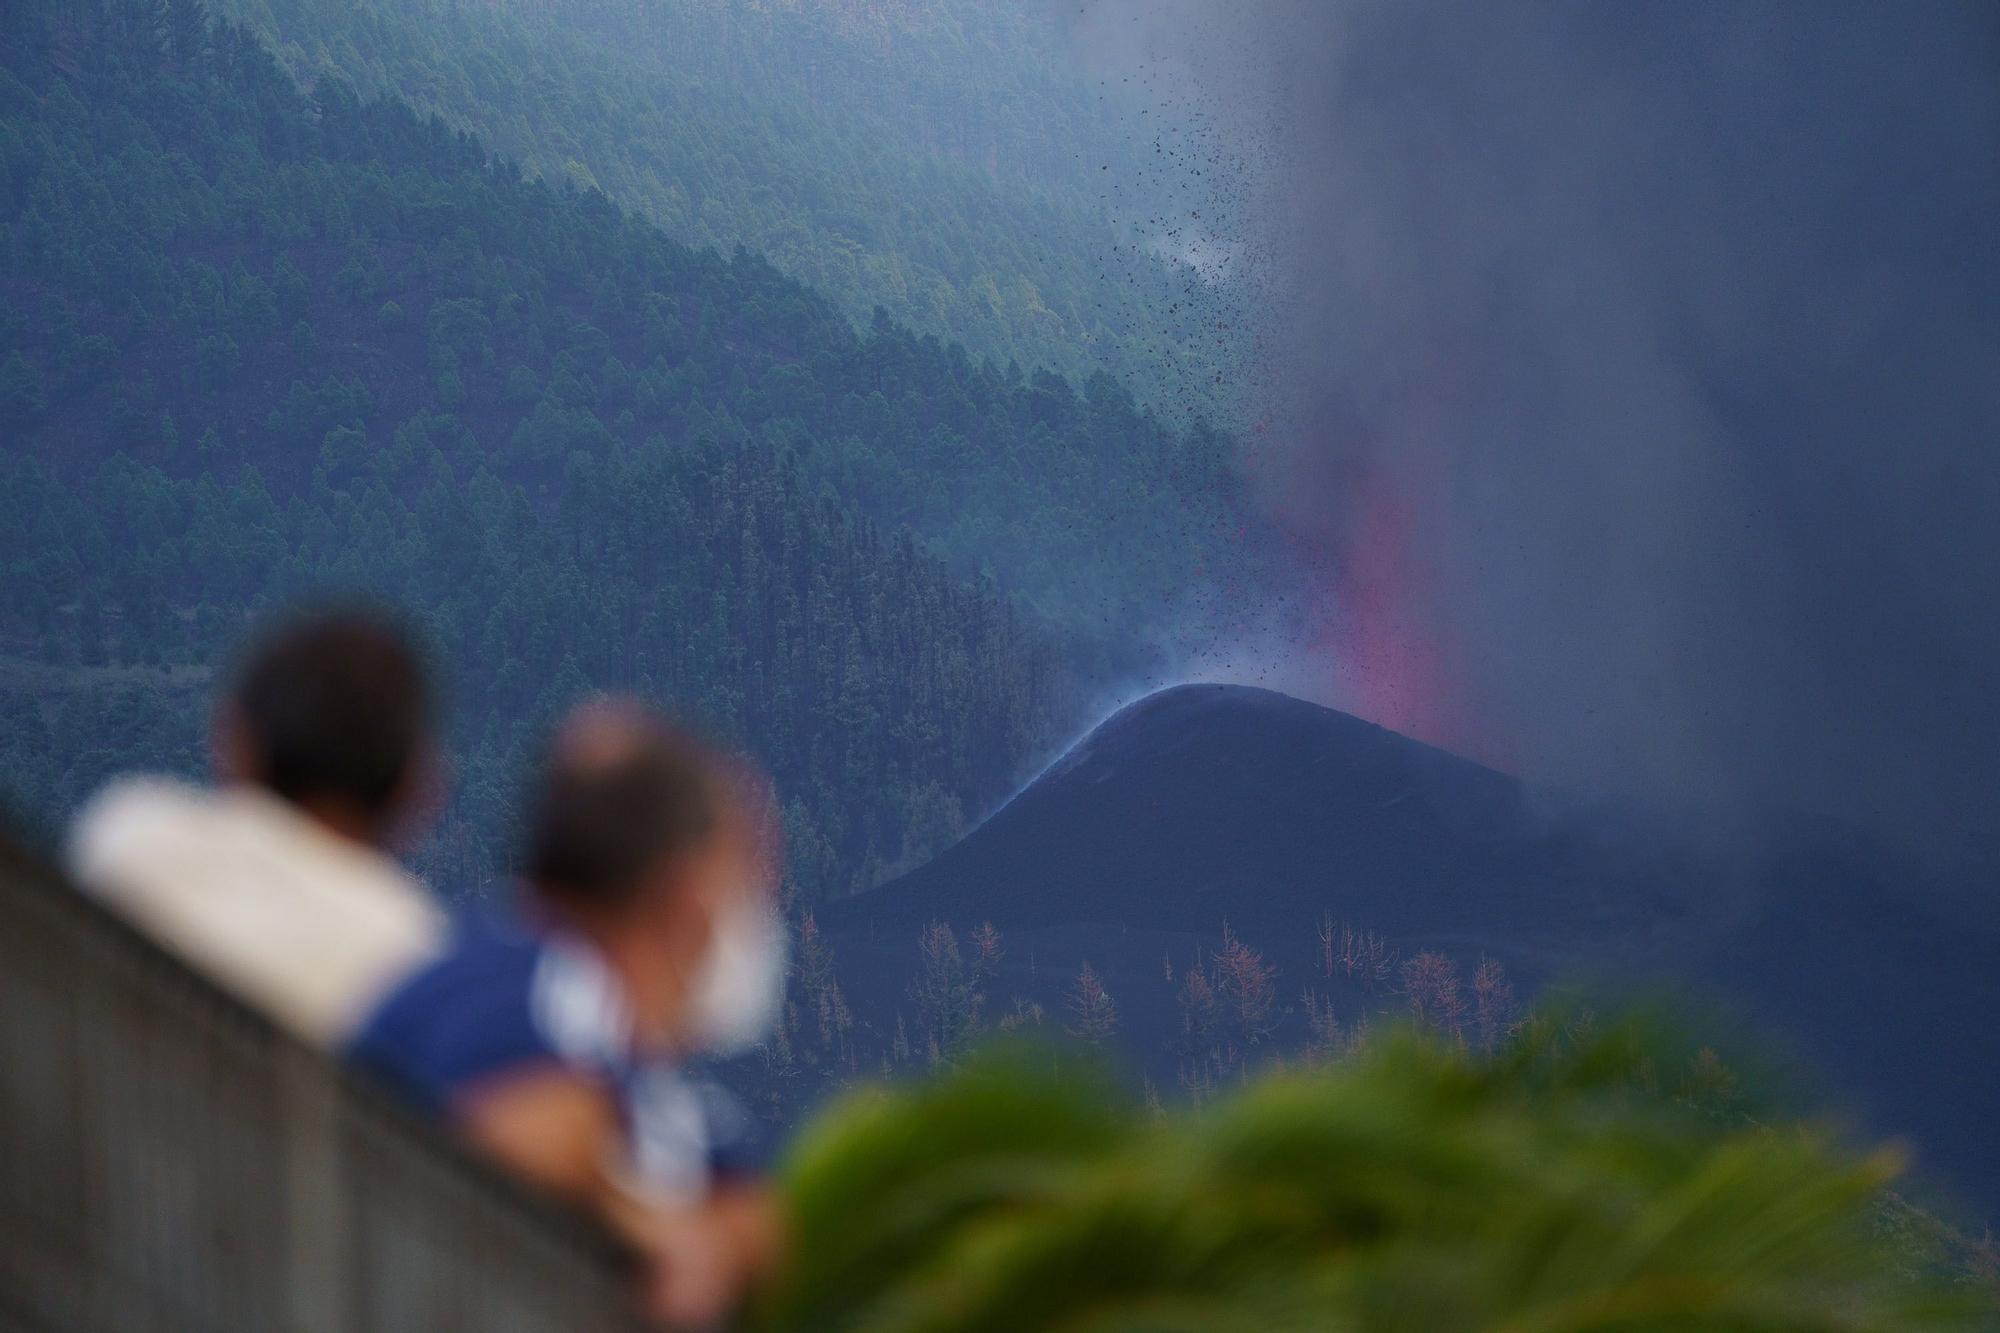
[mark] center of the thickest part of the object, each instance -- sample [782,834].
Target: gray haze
[1670,330]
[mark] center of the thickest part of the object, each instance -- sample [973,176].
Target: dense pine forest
[952,162]
[257,344]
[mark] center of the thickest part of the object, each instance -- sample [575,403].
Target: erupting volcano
[1381,634]
[1207,804]
[1384,650]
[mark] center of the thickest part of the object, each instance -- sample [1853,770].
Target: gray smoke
[1674,329]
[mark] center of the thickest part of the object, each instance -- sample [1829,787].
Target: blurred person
[556,1043]
[279,881]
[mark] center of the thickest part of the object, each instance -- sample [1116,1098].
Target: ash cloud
[1673,332]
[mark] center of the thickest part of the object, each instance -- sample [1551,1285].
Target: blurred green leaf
[1577,1180]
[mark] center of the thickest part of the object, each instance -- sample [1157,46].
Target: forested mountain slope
[949,161]
[253,343]
[258,276]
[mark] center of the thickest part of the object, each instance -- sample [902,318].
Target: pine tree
[813,971]
[1243,983]
[947,1002]
[1093,1016]
[1201,1020]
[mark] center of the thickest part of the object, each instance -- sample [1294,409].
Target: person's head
[332,713]
[653,842]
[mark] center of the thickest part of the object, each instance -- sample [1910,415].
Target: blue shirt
[500,1003]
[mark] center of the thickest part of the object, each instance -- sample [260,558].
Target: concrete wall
[168,1160]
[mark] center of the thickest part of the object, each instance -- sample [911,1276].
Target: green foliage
[214,244]
[945,162]
[21,398]
[1572,1182]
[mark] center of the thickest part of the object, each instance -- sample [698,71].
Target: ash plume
[1636,370]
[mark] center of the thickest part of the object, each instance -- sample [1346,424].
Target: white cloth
[308,926]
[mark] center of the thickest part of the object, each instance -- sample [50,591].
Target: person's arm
[746,1212]
[550,1126]
[707,1255]
[560,1131]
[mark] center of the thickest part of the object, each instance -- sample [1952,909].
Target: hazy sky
[1638,368]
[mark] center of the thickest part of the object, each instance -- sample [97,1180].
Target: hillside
[1205,804]
[254,345]
[950,162]
[206,269]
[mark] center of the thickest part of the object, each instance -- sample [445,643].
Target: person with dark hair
[558,1044]
[279,881]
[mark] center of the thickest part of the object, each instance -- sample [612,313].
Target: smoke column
[1639,379]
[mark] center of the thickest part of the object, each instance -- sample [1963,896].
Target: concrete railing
[170,1160]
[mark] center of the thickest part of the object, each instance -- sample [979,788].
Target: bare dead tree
[1375,961]
[1024,1014]
[1359,955]
[1430,985]
[986,951]
[1323,1039]
[1492,1003]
